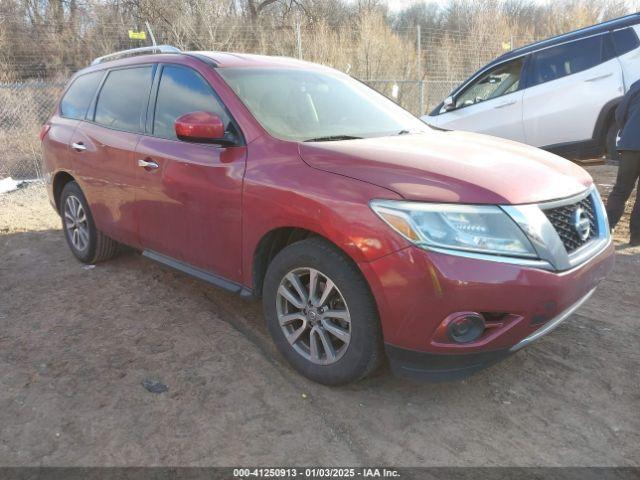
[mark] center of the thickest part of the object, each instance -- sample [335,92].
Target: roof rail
[135,51]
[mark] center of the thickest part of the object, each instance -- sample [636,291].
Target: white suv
[559,94]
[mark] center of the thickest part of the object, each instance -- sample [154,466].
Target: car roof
[615,24]
[233,60]
[215,59]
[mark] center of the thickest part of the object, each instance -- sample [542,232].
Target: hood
[451,167]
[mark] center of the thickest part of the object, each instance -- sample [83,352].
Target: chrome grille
[563,220]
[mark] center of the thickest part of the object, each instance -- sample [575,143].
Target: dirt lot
[76,343]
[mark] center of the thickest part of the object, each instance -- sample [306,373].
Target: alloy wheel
[76,224]
[313,316]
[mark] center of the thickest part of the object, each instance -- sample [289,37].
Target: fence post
[299,38]
[419,68]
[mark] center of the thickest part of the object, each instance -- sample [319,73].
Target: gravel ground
[76,343]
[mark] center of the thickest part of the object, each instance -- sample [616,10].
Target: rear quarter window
[123,97]
[625,40]
[76,100]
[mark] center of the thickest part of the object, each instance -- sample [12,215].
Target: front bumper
[435,368]
[416,290]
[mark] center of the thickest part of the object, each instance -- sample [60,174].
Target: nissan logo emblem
[582,224]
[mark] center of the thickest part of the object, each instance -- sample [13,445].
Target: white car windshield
[310,105]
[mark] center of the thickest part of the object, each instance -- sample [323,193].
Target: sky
[395,5]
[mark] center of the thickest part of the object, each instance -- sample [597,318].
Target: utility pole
[298,37]
[153,39]
[419,68]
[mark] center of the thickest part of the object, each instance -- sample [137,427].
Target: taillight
[44,130]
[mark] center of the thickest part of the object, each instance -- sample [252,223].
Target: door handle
[147,164]
[599,77]
[78,147]
[506,104]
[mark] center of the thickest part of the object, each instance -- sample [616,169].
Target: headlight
[473,228]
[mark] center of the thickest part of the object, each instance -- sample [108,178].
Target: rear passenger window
[76,101]
[123,98]
[181,91]
[625,40]
[567,59]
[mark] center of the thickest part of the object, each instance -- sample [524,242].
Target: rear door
[104,147]
[567,87]
[490,104]
[189,201]
[73,108]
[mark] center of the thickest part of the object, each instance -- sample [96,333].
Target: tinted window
[563,60]
[181,91]
[76,101]
[625,40]
[500,81]
[123,97]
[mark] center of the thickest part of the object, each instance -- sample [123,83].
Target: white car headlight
[483,229]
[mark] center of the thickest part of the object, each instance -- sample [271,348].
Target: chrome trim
[135,51]
[550,250]
[551,324]
[523,262]
[546,240]
[566,201]
[543,236]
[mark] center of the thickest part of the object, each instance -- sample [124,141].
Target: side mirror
[449,104]
[200,127]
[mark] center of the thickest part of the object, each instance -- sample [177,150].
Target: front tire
[612,136]
[321,313]
[87,243]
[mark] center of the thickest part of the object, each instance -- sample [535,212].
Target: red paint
[199,126]
[43,131]
[210,206]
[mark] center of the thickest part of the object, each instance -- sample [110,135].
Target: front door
[491,104]
[189,195]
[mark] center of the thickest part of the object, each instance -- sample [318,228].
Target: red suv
[364,231]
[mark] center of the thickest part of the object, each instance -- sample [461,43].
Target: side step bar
[208,277]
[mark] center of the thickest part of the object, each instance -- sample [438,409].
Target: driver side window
[501,80]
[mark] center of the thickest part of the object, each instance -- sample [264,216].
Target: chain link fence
[421,72]
[24,107]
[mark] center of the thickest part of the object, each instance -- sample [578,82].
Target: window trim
[153,100]
[89,106]
[91,113]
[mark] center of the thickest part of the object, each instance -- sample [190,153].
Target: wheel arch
[273,242]
[60,179]
[607,115]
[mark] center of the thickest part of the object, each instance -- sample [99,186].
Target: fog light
[466,328]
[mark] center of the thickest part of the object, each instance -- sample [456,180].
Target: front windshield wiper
[332,138]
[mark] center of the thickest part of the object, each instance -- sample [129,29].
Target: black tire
[612,135]
[98,247]
[363,353]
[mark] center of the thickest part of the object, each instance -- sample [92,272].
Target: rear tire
[87,243]
[611,139]
[321,313]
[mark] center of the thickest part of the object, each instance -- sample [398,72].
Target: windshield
[306,105]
